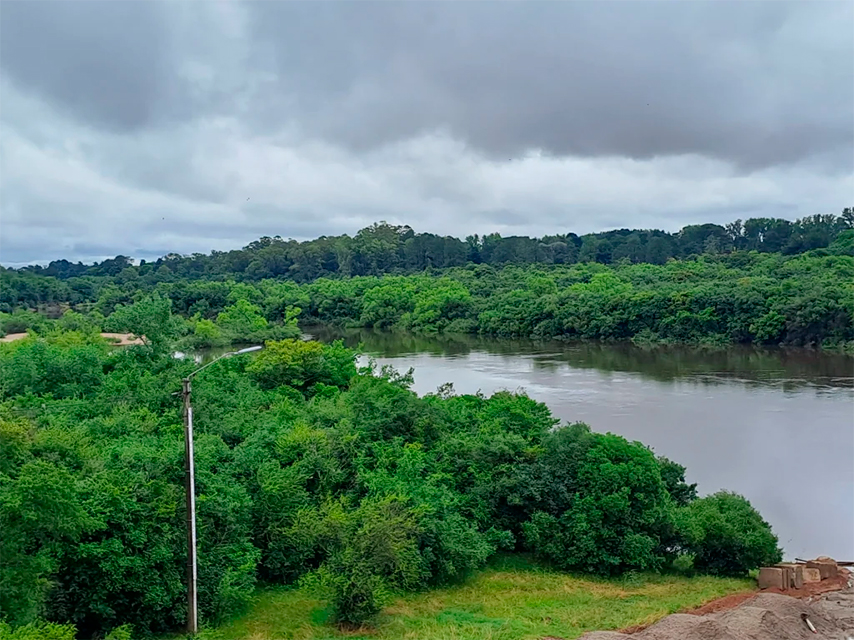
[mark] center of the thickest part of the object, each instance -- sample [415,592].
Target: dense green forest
[755,298]
[309,471]
[762,281]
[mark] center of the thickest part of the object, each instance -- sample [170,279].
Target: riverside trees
[309,470]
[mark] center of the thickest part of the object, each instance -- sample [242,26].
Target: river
[776,426]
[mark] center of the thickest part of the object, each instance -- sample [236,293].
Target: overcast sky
[143,128]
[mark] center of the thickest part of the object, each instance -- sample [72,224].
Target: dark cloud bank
[138,125]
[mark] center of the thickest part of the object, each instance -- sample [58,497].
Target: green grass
[511,600]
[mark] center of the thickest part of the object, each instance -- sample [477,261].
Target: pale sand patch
[118,339]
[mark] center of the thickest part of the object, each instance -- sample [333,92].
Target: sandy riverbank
[118,339]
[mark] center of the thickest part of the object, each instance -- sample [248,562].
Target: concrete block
[826,567]
[795,574]
[787,577]
[811,574]
[770,577]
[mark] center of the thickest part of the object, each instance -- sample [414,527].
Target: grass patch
[513,599]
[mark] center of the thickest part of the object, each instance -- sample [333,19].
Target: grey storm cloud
[108,64]
[753,83]
[129,124]
[732,80]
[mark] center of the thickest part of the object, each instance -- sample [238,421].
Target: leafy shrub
[356,594]
[614,517]
[35,365]
[452,547]
[41,630]
[150,318]
[673,476]
[123,632]
[384,305]
[286,527]
[20,321]
[38,631]
[769,327]
[206,333]
[372,550]
[301,364]
[727,535]
[73,321]
[242,320]
[437,306]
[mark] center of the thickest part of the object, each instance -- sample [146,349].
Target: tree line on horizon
[388,249]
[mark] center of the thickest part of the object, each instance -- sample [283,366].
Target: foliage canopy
[309,470]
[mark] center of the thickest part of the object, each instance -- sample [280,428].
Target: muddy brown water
[775,425]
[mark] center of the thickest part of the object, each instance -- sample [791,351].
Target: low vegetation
[512,599]
[311,473]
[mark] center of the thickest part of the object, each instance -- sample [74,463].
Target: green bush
[20,321]
[41,630]
[356,594]
[149,318]
[205,333]
[302,364]
[38,631]
[371,550]
[726,535]
[614,517]
[124,632]
[39,366]
[673,476]
[769,328]
[241,320]
[40,514]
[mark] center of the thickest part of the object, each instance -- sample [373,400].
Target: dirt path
[809,590]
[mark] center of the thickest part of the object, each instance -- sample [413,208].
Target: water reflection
[789,369]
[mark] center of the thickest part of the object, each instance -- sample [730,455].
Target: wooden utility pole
[190,485]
